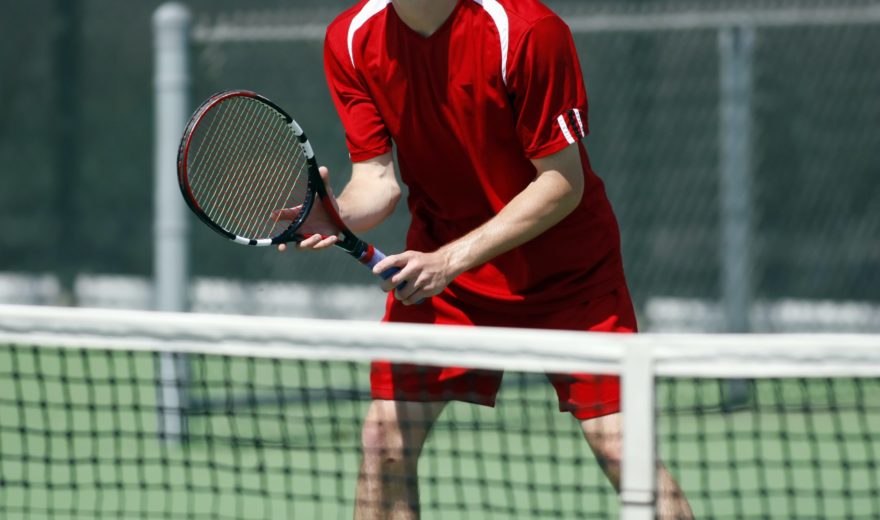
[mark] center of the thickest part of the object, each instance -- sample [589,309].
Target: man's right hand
[367,200]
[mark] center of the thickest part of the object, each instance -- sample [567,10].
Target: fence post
[736,50]
[736,45]
[171,31]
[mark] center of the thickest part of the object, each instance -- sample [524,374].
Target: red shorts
[584,395]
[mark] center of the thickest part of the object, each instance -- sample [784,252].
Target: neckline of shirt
[444,27]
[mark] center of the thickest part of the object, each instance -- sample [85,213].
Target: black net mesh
[273,438]
[773,448]
[266,438]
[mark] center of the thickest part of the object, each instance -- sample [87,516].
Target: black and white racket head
[242,159]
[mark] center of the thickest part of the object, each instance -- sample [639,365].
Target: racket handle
[388,273]
[378,256]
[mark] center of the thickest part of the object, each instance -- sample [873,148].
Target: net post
[736,45]
[171,31]
[638,484]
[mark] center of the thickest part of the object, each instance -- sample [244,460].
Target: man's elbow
[393,193]
[574,194]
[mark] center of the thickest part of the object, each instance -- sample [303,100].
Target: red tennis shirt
[498,84]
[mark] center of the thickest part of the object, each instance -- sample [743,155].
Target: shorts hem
[390,394]
[592,411]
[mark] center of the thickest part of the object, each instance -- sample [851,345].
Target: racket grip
[377,257]
[388,273]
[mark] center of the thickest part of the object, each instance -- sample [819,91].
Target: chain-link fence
[76,116]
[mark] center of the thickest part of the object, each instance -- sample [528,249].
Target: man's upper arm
[567,164]
[375,169]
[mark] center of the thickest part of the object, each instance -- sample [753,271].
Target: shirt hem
[550,149]
[524,305]
[366,156]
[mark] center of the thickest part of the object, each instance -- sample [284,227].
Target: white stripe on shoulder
[564,127]
[499,16]
[577,114]
[370,9]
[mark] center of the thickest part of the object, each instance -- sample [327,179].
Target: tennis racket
[242,159]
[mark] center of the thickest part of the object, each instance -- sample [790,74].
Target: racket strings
[266,193]
[272,191]
[215,138]
[221,182]
[244,166]
[245,197]
[291,166]
[296,194]
[238,196]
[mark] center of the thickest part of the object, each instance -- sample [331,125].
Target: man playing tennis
[485,102]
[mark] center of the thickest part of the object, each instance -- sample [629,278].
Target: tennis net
[265,420]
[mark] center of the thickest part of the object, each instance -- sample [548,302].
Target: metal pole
[736,46]
[171,29]
[67,49]
[638,478]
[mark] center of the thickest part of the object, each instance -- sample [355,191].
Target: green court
[280,440]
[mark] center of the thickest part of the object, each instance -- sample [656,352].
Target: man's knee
[382,442]
[604,436]
[392,434]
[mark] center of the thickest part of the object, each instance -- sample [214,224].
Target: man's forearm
[544,203]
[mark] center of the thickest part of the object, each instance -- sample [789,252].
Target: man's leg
[604,436]
[392,439]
